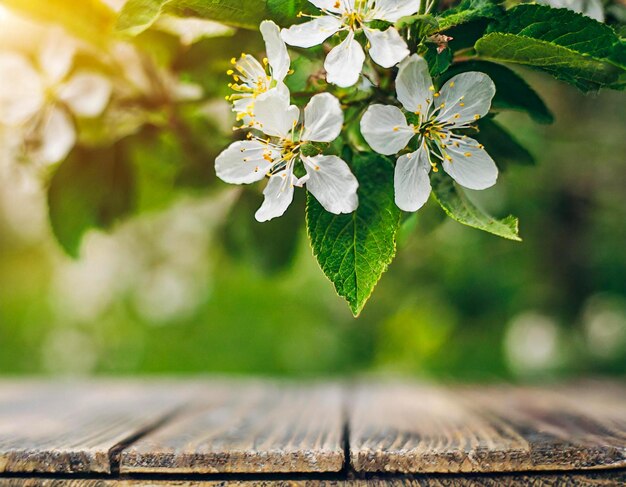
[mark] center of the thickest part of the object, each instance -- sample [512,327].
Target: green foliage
[438,62]
[512,92]
[247,240]
[569,46]
[285,12]
[93,188]
[91,20]
[139,15]
[469,11]
[458,206]
[354,250]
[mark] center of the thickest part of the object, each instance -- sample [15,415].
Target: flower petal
[411,180]
[274,115]
[414,84]
[311,33]
[21,90]
[87,94]
[278,196]
[344,62]
[469,164]
[385,129]
[244,162]
[388,48]
[323,119]
[56,55]
[392,10]
[332,183]
[333,6]
[467,97]
[277,54]
[250,72]
[58,136]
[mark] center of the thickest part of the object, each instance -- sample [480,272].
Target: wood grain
[417,428]
[61,428]
[566,479]
[262,427]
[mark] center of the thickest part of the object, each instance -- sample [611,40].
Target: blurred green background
[199,287]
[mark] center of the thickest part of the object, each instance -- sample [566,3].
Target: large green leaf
[469,11]
[354,250]
[285,12]
[93,188]
[139,15]
[569,46]
[512,91]
[91,20]
[457,205]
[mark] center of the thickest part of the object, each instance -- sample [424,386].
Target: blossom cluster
[420,125]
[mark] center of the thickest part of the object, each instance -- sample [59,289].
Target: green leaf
[285,12]
[469,11]
[457,205]
[501,145]
[139,15]
[512,91]
[354,250]
[565,44]
[438,62]
[91,20]
[93,188]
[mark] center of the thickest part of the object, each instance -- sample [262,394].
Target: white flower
[345,62]
[327,178]
[42,99]
[463,99]
[252,77]
[591,8]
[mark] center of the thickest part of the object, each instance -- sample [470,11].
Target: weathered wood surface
[61,427]
[413,429]
[164,431]
[262,427]
[593,479]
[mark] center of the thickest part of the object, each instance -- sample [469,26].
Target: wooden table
[257,432]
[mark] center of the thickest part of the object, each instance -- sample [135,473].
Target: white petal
[277,55]
[278,196]
[385,129]
[251,72]
[56,55]
[411,180]
[414,84]
[323,118]
[87,94]
[243,162]
[58,136]
[344,62]
[388,48]
[274,115]
[311,33]
[21,90]
[392,10]
[470,166]
[330,5]
[467,95]
[332,183]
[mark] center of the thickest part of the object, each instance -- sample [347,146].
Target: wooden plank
[262,427]
[417,428]
[56,427]
[566,479]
